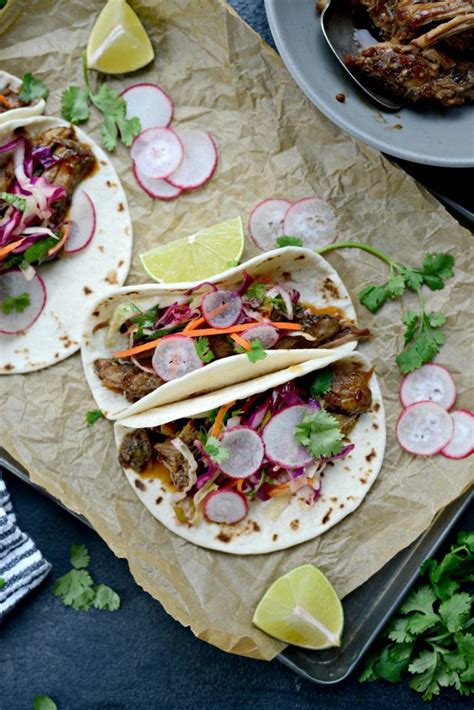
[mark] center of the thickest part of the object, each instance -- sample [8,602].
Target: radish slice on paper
[175,356]
[462,441]
[312,220]
[225,507]
[199,162]
[245,449]
[150,104]
[157,188]
[431,382]
[83,223]
[221,309]
[424,428]
[266,334]
[157,152]
[13,283]
[266,222]
[278,436]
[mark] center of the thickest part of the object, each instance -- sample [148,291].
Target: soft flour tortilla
[35,109]
[280,522]
[74,280]
[318,283]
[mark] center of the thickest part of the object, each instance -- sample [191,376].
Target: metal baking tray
[366,610]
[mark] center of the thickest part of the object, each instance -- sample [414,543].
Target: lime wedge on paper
[302,608]
[199,256]
[118,42]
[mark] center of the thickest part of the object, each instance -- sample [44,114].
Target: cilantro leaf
[399,631]
[257,351]
[455,611]
[15,303]
[129,128]
[105,598]
[79,556]
[203,350]
[115,123]
[420,600]
[16,201]
[35,254]
[425,345]
[75,104]
[32,89]
[289,242]
[411,320]
[109,101]
[439,264]
[373,297]
[216,450]
[93,415]
[321,383]
[256,291]
[109,133]
[2,582]
[320,433]
[75,589]
[44,702]
[395,286]
[418,623]
[411,277]
[393,661]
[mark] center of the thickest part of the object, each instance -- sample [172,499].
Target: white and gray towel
[22,566]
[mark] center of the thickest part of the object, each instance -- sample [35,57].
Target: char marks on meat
[349,394]
[126,378]
[173,459]
[135,450]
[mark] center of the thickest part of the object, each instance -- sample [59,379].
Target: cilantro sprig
[432,636]
[322,383]
[44,702]
[75,107]
[93,416]
[423,334]
[203,350]
[320,433]
[15,303]
[77,588]
[289,242]
[32,89]
[216,450]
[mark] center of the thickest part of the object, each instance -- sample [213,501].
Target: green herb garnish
[256,291]
[203,350]
[105,598]
[44,702]
[16,201]
[77,588]
[2,582]
[423,337]
[93,415]
[75,108]
[216,450]
[432,637]
[289,242]
[321,383]
[32,89]
[80,557]
[256,352]
[15,303]
[320,433]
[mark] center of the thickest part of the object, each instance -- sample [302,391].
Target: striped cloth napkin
[22,566]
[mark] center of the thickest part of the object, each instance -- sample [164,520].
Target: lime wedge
[197,257]
[302,608]
[118,42]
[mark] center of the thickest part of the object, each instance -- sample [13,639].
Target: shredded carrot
[194,324]
[4,101]
[278,490]
[236,483]
[241,341]
[10,247]
[62,241]
[198,332]
[219,420]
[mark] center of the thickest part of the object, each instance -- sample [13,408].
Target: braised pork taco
[263,465]
[15,102]
[65,236]
[145,346]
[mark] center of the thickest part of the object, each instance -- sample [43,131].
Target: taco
[13,105]
[65,236]
[145,346]
[263,465]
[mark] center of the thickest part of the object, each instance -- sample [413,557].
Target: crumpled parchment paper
[271,141]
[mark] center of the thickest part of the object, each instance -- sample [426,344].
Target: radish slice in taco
[15,103]
[262,465]
[277,309]
[64,215]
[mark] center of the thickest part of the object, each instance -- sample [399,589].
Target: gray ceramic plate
[434,137]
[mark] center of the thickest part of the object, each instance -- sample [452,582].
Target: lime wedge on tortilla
[302,608]
[118,42]
[199,256]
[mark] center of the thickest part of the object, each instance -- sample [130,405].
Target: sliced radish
[278,436]
[266,334]
[83,223]
[225,507]
[245,449]
[13,283]
[150,104]
[431,382]
[424,428]
[199,162]
[266,222]
[221,309]
[462,441]
[156,187]
[157,152]
[312,220]
[175,356]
